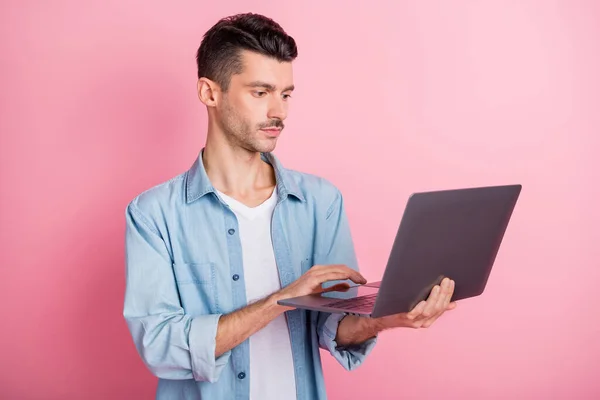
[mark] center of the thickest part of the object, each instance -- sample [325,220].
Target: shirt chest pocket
[196,283]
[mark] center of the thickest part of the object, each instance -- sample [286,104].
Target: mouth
[272,132]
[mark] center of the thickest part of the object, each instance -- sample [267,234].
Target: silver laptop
[448,233]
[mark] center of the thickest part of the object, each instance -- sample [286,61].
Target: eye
[259,93]
[287,96]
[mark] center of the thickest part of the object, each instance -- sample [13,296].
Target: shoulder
[315,189]
[311,182]
[156,198]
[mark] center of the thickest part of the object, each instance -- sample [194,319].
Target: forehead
[258,67]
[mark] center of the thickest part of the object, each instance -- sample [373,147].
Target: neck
[234,170]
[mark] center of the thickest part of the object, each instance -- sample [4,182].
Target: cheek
[245,113]
[253,111]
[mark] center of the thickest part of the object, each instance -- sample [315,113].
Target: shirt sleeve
[171,343]
[336,247]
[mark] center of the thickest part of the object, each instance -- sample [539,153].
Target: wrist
[271,306]
[374,325]
[354,329]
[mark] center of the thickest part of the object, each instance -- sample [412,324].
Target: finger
[449,294]
[358,278]
[428,322]
[444,304]
[334,276]
[332,267]
[437,304]
[317,269]
[343,272]
[443,298]
[354,275]
[416,312]
[431,302]
[338,287]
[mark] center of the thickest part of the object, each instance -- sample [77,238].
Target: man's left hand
[424,314]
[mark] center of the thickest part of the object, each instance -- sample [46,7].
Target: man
[210,252]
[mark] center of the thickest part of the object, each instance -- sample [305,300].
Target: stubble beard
[240,133]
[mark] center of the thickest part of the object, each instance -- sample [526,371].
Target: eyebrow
[268,86]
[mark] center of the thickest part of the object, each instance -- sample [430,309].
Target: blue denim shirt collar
[198,184]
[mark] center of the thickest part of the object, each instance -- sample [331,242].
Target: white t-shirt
[271,364]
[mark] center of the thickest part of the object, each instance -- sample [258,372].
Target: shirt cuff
[350,357]
[203,343]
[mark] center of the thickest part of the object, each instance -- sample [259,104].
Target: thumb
[340,286]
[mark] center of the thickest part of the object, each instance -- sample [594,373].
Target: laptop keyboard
[362,303]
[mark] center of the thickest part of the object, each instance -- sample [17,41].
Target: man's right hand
[310,282]
[239,325]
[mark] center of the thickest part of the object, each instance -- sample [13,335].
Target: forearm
[356,330]
[239,325]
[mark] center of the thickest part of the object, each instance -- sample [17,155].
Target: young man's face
[252,111]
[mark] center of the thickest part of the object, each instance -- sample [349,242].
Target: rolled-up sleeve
[336,247]
[171,343]
[349,357]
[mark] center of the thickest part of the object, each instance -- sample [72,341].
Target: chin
[264,147]
[270,148]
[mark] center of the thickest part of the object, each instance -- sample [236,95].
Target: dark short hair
[218,57]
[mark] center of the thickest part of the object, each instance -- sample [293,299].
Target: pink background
[97,103]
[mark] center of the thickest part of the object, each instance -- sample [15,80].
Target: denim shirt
[184,270]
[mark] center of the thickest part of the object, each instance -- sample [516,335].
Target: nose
[277,109]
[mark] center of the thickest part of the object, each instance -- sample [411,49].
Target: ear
[208,92]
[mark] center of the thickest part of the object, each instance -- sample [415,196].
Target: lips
[272,131]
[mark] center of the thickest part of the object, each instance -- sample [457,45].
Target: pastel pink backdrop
[98,103]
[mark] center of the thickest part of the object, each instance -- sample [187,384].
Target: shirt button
[231,231]
[236,277]
[241,375]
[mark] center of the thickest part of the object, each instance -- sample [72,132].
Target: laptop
[446,233]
